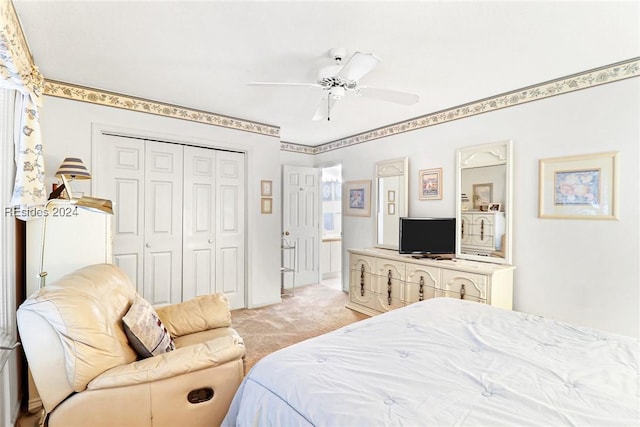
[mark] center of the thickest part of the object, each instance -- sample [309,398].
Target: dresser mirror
[391,183]
[484,202]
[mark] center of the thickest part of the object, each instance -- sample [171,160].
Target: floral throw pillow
[146,333]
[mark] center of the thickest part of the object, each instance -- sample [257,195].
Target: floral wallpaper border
[592,78]
[596,77]
[111,99]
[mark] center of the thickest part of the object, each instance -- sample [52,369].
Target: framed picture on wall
[482,195]
[357,200]
[579,187]
[430,184]
[266,205]
[265,188]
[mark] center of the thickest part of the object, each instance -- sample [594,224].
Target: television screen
[427,236]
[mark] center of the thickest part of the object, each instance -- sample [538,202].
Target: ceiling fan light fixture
[337,92]
[344,76]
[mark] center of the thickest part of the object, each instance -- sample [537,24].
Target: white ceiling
[201,54]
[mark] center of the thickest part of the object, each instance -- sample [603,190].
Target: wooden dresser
[382,280]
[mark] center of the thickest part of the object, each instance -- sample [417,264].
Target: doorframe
[329,164]
[99,129]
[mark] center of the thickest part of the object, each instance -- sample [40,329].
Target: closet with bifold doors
[178,226]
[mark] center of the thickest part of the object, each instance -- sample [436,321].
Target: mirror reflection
[391,200]
[483,217]
[483,211]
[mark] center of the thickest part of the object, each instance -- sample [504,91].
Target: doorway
[331,246]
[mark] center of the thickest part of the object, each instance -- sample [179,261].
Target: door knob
[286,233]
[210,241]
[148,245]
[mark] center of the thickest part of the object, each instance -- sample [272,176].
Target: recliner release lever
[200,395]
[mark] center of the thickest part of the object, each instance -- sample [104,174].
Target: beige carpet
[312,311]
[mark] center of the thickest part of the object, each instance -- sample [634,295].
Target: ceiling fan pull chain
[329,107]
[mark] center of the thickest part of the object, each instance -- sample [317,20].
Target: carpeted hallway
[312,311]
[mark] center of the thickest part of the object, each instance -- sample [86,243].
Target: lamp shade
[72,167]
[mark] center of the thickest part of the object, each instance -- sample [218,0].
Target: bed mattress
[446,362]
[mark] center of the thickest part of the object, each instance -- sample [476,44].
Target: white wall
[580,271]
[67,131]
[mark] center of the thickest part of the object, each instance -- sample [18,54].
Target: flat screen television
[427,236]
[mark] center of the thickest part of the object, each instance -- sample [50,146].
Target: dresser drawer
[362,280]
[417,273]
[420,281]
[382,284]
[359,262]
[382,303]
[459,284]
[386,267]
[486,241]
[414,292]
[364,297]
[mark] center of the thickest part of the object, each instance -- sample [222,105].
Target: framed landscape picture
[579,187]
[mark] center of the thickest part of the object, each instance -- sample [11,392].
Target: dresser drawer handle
[361,280]
[421,291]
[462,291]
[389,287]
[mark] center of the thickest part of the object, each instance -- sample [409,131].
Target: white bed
[445,362]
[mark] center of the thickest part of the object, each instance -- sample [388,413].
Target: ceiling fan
[336,80]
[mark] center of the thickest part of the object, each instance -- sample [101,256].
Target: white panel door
[199,218]
[163,223]
[229,239]
[121,179]
[300,219]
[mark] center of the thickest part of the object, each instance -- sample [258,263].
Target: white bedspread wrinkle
[446,362]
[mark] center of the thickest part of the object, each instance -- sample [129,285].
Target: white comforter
[445,362]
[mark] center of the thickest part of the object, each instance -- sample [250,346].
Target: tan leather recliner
[87,374]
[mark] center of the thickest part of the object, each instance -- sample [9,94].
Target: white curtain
[18,72]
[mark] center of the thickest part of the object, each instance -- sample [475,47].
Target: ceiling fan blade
[283,84]
[324,108]
[389,95]
[358,65]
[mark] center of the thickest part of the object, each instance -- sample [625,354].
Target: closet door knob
[148,245]
[210,241]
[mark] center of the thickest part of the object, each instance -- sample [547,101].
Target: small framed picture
[391,209]
[430,185]
[357,198]
[494,207]
[391,196]
[266,205]
[265,188]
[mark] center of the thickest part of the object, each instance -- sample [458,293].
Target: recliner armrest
[196,315]
[183,360]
